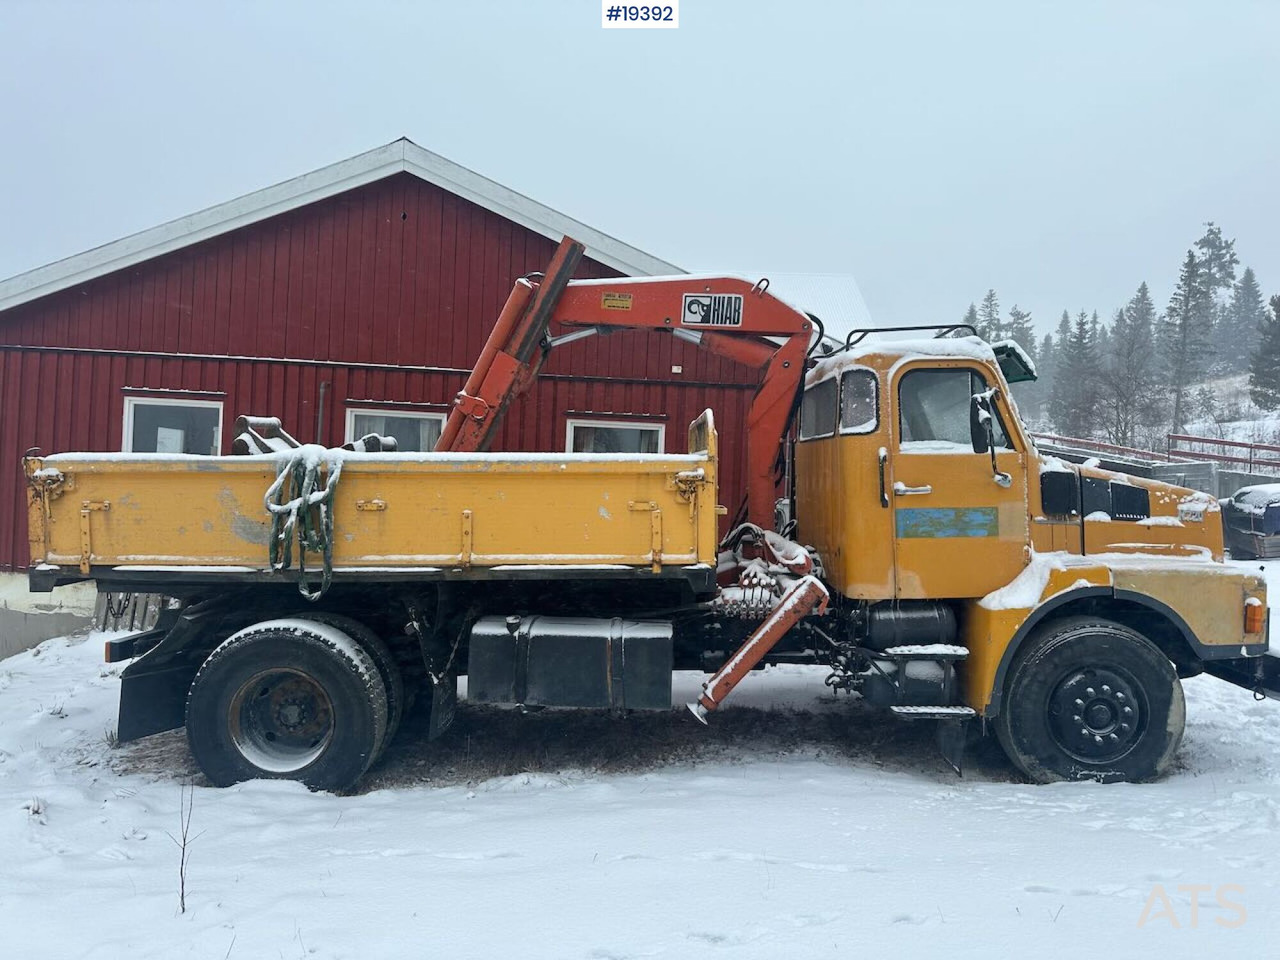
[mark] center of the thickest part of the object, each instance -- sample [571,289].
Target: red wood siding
[361,291]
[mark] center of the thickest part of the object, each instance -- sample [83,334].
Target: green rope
[303,510]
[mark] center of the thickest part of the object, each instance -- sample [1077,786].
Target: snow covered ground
[1238,417]
[792,827]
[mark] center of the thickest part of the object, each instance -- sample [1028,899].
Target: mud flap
[153,689]
[444,705]
[952,736]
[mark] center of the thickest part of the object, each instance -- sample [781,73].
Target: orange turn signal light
[1255,616]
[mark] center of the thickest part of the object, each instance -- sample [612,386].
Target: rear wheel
[287,699]
[383,659]
[1090,699]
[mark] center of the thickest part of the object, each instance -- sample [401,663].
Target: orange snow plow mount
[808,595]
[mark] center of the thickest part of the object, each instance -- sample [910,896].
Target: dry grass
[488,742]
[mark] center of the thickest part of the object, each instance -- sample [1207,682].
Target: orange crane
[725,315]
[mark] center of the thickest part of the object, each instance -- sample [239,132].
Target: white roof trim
[401,156]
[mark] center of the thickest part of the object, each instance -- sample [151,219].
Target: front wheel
[288,699]
[1090,699]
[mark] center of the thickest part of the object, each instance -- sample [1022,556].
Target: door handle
[883,458]
[900,489]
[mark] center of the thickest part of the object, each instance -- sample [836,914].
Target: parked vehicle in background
[1251,522]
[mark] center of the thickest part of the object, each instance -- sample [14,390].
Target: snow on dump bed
[863,843]
[347,456]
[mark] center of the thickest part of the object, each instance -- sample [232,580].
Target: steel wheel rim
[1097,714]
[281,720]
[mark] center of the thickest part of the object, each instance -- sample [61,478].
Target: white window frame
[131,402]
[403,413]
[573,422]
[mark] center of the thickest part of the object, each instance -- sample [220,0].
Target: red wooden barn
[349,300]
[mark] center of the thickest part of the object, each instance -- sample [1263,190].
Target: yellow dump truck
[924,552]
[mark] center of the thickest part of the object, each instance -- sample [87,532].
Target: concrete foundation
[1229,481]
[1202,475]
[28,618]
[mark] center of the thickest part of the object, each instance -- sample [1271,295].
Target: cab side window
[818,410]
[859,410]
[934,410]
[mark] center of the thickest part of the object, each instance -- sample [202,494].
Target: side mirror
[983,436]
[980,433]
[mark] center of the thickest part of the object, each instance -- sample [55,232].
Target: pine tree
[1127,382]
[1264,366]
[1074,403]
[1020,330]
[1046,360]
[1082,368]
[1185,335]
[1113,384]
[1060,388]
[1047,353]
[1218,260]
[1101,337]
[1140,313]
[990,327]
[1218,263]
[1046,374]
[1241,320]
[971,317]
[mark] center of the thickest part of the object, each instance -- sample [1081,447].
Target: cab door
[959,530]
[841,461]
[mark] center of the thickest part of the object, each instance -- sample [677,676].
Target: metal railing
[1251,456]
[1098,446]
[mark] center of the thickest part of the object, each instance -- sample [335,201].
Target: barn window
[615,436]
[162,425]
[415,431]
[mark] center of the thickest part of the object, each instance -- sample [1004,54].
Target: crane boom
[726,315]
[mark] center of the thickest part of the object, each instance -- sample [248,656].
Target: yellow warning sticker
[615,301]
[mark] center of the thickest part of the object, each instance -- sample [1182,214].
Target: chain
[301,509]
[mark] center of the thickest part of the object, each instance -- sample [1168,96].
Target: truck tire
[383,659]
[287,699]
[1090,699]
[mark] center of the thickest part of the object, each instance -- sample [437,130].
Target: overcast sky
[1060,152]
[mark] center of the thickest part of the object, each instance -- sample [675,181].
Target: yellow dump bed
[126,516]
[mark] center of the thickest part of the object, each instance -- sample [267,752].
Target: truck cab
[939,523]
